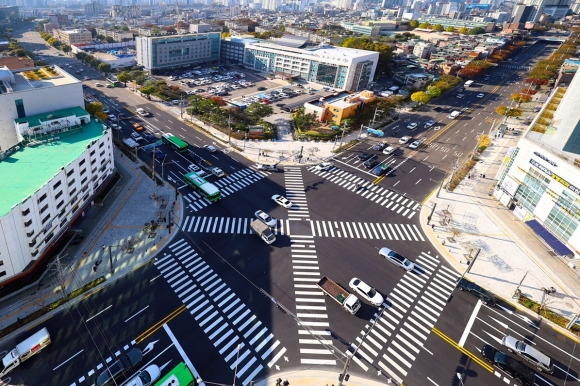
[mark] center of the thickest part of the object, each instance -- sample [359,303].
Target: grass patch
[547,314]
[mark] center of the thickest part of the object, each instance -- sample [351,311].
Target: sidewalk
[118,226]
[510,255]
[319,378]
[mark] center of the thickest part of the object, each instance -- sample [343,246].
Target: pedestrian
[484,176]
[433,227]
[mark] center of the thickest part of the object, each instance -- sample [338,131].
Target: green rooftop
[31,167]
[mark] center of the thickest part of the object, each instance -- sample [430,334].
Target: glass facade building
[340,68]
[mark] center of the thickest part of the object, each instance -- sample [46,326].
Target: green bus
[114,82]
[177,143]
[208,190]
[180,375]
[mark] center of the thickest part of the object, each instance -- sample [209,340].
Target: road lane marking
[135,314]
[99,313]
[147,333]
[470,323]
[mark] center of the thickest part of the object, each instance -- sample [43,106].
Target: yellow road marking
[475,358]
[151,330]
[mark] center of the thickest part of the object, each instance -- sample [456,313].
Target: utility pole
[229,130]
[375,115]
[110,258]
[180,102]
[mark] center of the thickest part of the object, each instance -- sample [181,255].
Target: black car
[194,157]
[521,373]
[372,161]
[483,294]
[379,146]
[121,369]
[123,116]
[261,88]
[364,156]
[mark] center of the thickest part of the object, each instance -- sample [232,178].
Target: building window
[59,204]
[3,273]
[532,189]
[26,212]
[83,171]
[70,172]
[44,208]
[81,163]
[71,182]
[41,198]
[56,185]
[45,219]
[58,195]
[28,223]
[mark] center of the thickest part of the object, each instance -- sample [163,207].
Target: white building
[53,159]
[337,67]
[541,182]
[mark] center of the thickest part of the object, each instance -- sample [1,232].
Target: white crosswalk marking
[239,335]
[401,330]
[378,194]
[379,231]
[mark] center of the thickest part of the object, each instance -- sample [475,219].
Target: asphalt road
[253,309]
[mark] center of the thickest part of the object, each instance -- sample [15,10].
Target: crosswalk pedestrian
[387,198]
[240,337]
[411,310]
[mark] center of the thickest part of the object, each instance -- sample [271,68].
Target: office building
[337,67]
[167,52]
[74,37]
[541,180]
[53,159]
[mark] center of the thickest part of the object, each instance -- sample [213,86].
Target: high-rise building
[164,52]
[53,158]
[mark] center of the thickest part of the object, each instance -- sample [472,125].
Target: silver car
[396,259]
[529,353]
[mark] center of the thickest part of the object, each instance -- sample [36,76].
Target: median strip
[475,358]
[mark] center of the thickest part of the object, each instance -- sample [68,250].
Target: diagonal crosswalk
[401,328]
[380,195]
[241,338]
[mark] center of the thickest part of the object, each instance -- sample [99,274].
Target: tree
[305,121]
[434,91]
[507,112]
[123,77]
[463,30]
[413,23]
[476,31]
[94,107]
[109,39]
[424,25]
[385,50]
[450,29]
[420,97]
[104,67]
[438,27]
[257,111]
[125,28]
[66,49]
[520,98]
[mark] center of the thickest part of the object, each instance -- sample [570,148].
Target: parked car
[281,200]
[396,259]
[121,369]
[366,292]
[465,285]
[412,125]
[521,373]
[529,353]
[265,218]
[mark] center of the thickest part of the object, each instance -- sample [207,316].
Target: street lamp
[110,257]
[375,115]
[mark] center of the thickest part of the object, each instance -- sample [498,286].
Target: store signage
[545,159]
[555,176]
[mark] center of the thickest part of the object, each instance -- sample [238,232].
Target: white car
[404,140]
[366,291]
[480,95]
[266,167]
[416,144]
[210,148]
[265,218]
[390,150]
[324,166]
[146,377]
[281,200]
[217,172]
[412,125]
[429,123]
[98,84]
[396,259]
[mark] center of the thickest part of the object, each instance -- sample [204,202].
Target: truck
[346,300]
[263,231]
[468,83]
[454,114]
[24,350]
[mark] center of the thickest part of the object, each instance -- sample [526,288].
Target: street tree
[305,122]
[508,112]
[124,77]
[450,29]
[438,27]
[520,98]
[258,111]
[463,30]
[104,67]
[434,91]
[420,97]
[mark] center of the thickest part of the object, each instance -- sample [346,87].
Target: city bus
[208,190]
[175,142]
[178,376]
[114,82]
